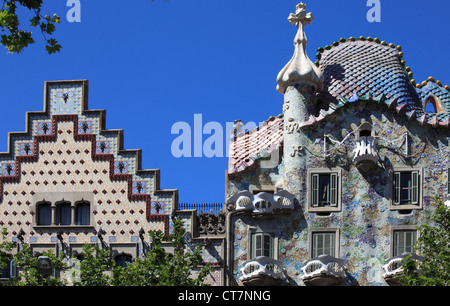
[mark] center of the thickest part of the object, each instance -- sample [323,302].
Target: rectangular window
[63,214]
[403,241]
[323,243]
[262,245]
[406,188]
[324,190]
[83,214]
[44,214]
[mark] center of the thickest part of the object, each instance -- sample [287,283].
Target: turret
[298,81]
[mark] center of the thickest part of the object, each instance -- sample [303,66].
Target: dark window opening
[83,214]
[44,213]
[63,213]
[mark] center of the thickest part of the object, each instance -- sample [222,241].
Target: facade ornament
[300,69]
[210,224]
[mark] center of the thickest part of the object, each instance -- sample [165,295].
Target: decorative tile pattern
[246,148]
[8,169]
[65,99]
[44,128]
[85,127]
[25,148]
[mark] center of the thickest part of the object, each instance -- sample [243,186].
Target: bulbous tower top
[300,69]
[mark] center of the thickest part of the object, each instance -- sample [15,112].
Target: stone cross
[300,16]
[300,69]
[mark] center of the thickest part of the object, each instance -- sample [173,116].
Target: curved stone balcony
[393,267]
[262,271]
[365,153]
[263,204]
[324,270]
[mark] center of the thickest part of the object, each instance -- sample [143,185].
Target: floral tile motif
[85,127]
[157,207]
[44,128]
[25,148]
[103,147]
[120,167]
[8,169]
[65,99]
[139,187]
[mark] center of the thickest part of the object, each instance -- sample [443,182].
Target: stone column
[299,82]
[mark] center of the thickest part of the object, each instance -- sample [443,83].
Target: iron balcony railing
[205,207]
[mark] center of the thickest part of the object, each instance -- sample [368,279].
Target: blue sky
[151,64]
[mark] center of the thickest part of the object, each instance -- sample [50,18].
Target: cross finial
[300,69]
[300,15]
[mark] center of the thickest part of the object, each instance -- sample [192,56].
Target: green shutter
[415,187]
[315,190]
[12,269]
[256,245]
[396,188]
[333,189]
[404,241]
[262,245]
[323,244]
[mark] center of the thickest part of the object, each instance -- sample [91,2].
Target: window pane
[405,188]
[262,245]
[64,214]
[83,214]
[323,244]
[324,190]
[267,245]
[404,242]
[44,214]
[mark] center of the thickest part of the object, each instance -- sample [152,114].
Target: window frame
[416,200]
[78,205]
[404,228]
[59,212]
[39,207]
[314,231]
[263,236]
[55,199]
[313,175]
[10,270]
[257,231]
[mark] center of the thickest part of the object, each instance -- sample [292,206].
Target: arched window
[83,213]
[44,213]
[432,105]
[63,213]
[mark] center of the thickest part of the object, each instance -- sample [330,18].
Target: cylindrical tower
[298,81]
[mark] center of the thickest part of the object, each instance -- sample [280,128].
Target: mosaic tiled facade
[330,192]
[362,155]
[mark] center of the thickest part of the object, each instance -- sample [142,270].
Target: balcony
[324,270]
[263,204]
[262,271]
[365,153]
[393,268]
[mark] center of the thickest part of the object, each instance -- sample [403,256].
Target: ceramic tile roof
[250,146]
[362,69]
[367,69]
[354,68]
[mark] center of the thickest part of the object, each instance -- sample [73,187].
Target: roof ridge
[432,80]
